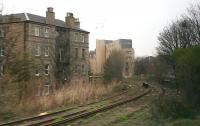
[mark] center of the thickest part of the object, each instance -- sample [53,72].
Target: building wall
[12,41]
[110,47]
[23,40]
[64,50]
[16,38]
[79,56]
[92,62]
[129,64]
[41,47]
[105,47]
[62,55]
[100,55]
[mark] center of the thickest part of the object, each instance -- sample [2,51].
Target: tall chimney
[50,16]
[70,20]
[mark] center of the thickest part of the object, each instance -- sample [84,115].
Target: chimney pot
[70,14]
[50,9]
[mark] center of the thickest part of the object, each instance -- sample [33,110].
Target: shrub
[188,72]
[114,66]
[171,108]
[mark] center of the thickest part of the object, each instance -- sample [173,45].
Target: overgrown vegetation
[188,73]
[169,107]
[144,118]
[179,49]
[15,79]
[176,66]
[73,94]
[143,65]
[16,85]
[153,68]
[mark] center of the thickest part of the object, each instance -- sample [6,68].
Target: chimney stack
[77,23]
[50,16]
[72,22]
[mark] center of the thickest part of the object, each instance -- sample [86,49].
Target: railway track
[91,112]
[72,113]
[52,116]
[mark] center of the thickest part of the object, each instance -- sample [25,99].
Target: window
[46,51]
[1,33]
[46,69]
[36,31]
[76,52]
[37,50]
[82,37]
[83,53]
[76,68]
[2,51]
[126,64]
[37,72]
[126,71]
[76,36]
[61,52]
[46,32]
[83,68]
[1,70]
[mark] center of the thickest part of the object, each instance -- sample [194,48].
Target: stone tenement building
[103,50]
[60,48]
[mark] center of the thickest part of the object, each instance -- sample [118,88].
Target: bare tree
[182,33]
[194,17]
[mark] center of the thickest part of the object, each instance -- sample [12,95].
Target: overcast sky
[139,20]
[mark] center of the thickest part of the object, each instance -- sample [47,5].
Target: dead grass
[73,94]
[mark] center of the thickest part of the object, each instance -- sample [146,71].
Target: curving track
[63,116]
[51,116]
[89,113]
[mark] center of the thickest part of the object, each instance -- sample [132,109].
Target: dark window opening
[76,52]
[83,53]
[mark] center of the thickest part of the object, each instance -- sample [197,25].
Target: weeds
[73,94]
[169,107]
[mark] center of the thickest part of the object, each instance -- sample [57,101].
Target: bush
[188,72]
[171,108]
[114,66]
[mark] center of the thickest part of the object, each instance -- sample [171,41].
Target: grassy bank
[143,118]
[67,96]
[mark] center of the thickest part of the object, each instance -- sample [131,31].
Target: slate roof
[40,19]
